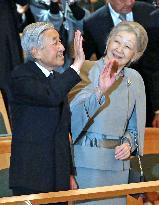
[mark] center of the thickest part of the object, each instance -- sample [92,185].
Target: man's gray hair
[32,37]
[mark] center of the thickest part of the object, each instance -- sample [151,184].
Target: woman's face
[51,55]
[122,47]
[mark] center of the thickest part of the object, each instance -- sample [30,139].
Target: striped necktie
[122,17]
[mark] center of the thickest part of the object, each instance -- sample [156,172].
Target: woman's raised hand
[107,76]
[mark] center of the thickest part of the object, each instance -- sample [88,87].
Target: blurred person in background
[154,56]
[11,51]
[25,16]
[153,2]
[66,16]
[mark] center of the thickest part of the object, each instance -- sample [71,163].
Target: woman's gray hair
[132,27]
[32,38]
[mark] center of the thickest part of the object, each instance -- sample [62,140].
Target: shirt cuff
[99,95]
[157,112]
[75,69]
[129,138]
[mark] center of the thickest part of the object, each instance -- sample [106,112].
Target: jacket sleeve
[84,105]
[155,91]
[48,92]
[88,43]
[131,131]
[22,2]
[138,89]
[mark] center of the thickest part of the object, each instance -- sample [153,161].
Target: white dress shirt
[44,70]
[115,15]
[47,73]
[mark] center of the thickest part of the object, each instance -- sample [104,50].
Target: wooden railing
[151,141]
[83,194]
[4,114]
[5,151]
[5,145]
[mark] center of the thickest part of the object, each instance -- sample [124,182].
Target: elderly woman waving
[109,113]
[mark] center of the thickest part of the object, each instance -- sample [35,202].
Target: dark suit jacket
[96,30]
[154,56]
[98,26]
[40,154]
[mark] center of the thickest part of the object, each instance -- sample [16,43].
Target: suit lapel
[105,23]
[108,18]
[137,14]
[36,70]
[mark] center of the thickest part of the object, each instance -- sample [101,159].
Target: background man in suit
[11,51]
[154,56]
[66,16]
[40,156]
[154,2]
[99,24]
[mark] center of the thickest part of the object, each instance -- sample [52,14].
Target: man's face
[122,6]
[157,3]
[51,55]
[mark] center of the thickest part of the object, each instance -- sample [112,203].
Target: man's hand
[71,1]
[22,9]
[55,1]
[155,122]
[73,184]
[78,51]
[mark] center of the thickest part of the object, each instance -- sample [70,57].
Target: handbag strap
[89,122]
[139,158]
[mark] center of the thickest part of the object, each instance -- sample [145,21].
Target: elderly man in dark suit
[40,156]
[100,23]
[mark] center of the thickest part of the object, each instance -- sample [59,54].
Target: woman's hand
[123,151]
[71,1]
[78,51]
[22,9]
[73,184]
[55,1]
[155,122]
[107,78]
